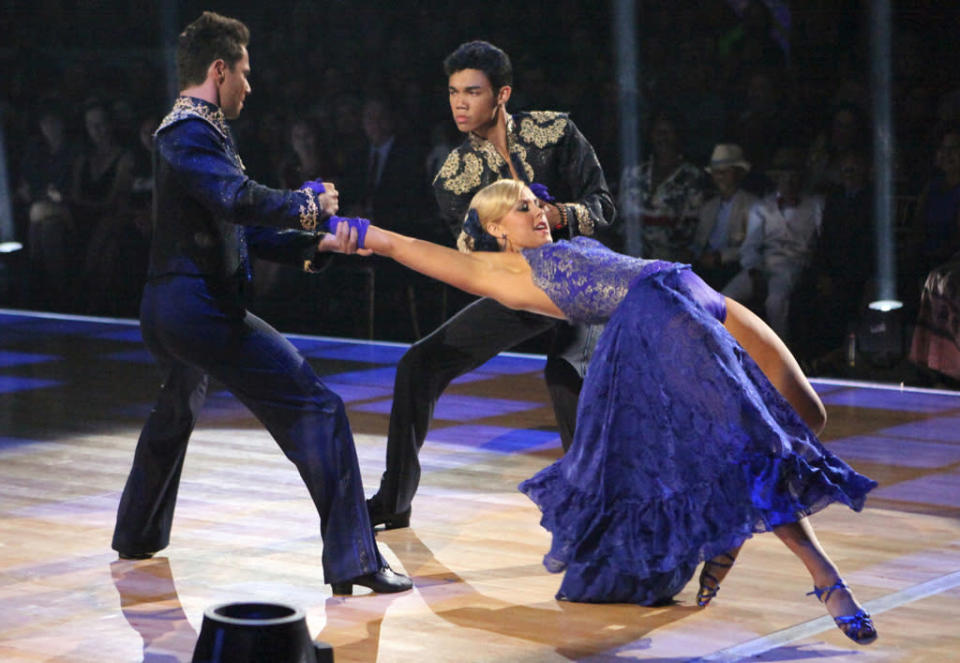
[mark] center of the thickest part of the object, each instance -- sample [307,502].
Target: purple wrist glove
[359,223]
[541,192]
[314,185]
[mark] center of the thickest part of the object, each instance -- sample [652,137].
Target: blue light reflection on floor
[940,429]
[377,377]
[892,399]
[350,393]
[8,443]
[895,451]
[939,489]
[494,438]
[131,335]
[8,359]
[454,407]
[139,356]
[9,385]
[367,353]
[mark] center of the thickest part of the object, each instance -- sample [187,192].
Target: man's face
[726,179]
[472,99]
[377,123]
[235,87]
[788,183]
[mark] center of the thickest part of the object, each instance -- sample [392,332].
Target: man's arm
[750,251]
[592,208]
[456,182]
[198,156]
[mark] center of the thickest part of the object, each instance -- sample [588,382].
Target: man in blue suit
[207,214]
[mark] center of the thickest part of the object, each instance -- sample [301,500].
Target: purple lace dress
[683,448]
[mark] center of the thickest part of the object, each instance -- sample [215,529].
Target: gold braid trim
[186,107]
[585,223]
[468,180]
[521,152]
[543,128]
[310,212]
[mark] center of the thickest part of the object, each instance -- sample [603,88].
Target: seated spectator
[781,231]
[833,290]
[936,335]
[43,189]
[722,225]
[664,193]
[384,179]
[100,194]
[847,132]
[307,159]
[935,235]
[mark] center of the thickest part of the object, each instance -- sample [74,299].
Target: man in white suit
[781,232]
[722,222]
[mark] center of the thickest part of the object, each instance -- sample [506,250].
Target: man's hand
[554,217]
[329,200]
[344,240]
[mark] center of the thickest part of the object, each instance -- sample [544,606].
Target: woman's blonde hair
[491,204]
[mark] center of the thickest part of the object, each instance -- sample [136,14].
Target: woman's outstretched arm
[505,277]
[777,363]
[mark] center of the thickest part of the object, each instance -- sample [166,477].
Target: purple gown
[683,448]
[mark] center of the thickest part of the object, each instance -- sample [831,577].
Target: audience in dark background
[333,80]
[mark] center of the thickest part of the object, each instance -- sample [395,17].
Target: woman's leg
[800,538]
[777,363]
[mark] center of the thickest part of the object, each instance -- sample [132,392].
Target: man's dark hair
[211,37]
[483,56]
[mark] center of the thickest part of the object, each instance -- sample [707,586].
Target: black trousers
[472,337]
[194,329]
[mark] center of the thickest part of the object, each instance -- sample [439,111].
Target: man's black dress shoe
[384,581]
[389,520]
[135,555]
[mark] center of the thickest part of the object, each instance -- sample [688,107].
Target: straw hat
[727,155]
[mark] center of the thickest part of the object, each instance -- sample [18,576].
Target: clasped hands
[345,234]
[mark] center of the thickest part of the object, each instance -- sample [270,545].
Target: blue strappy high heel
[858,626]
[707,591]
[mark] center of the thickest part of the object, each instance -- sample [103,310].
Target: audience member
[764,120]
[384,179]
[43,188]
[936,227]
[722,225]
[102,174]
[781,231]
[665,192]
[847,132]
[833,290]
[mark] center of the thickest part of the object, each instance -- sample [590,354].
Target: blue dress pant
[197,328]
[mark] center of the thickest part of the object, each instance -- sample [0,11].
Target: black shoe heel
[384,581]
[397,520]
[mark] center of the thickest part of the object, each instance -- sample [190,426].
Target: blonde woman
[695,424]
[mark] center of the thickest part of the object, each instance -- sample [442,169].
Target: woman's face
[98,126]
[524,226]
[663,138]
[948,154]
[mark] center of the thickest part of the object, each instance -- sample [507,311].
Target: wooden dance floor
[74,392]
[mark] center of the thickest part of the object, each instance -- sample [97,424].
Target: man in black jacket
[541,147]
[207,213]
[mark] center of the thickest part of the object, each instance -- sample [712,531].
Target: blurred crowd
[756,162]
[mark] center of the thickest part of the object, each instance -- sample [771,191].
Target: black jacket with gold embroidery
[545,147]
[206,210]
